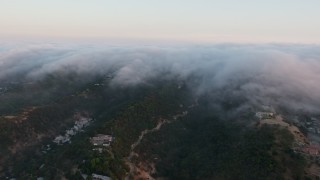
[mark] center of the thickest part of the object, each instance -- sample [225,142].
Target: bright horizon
[285,21]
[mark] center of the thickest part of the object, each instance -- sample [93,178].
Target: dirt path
[133,168]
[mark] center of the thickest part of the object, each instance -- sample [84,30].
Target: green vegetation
[123,112]
[202,145]
[127,126]
[210,148]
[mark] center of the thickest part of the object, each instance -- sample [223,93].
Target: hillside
[159,131]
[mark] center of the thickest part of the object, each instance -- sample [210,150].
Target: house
[78,126]
[101,139]
[100,177]
[265,115]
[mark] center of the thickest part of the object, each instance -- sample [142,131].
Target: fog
[269,74]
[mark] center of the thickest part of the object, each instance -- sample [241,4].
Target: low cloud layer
[262,74]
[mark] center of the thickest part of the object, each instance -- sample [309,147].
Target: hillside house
[100,177]
[265,115]
[101,139]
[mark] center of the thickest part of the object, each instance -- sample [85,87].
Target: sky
[287,21]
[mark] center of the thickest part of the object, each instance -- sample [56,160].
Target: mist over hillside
[271,74]
[162,109]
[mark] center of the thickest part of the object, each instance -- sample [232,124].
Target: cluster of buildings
[81,123]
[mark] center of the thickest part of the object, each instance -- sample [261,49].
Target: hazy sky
[188,20]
